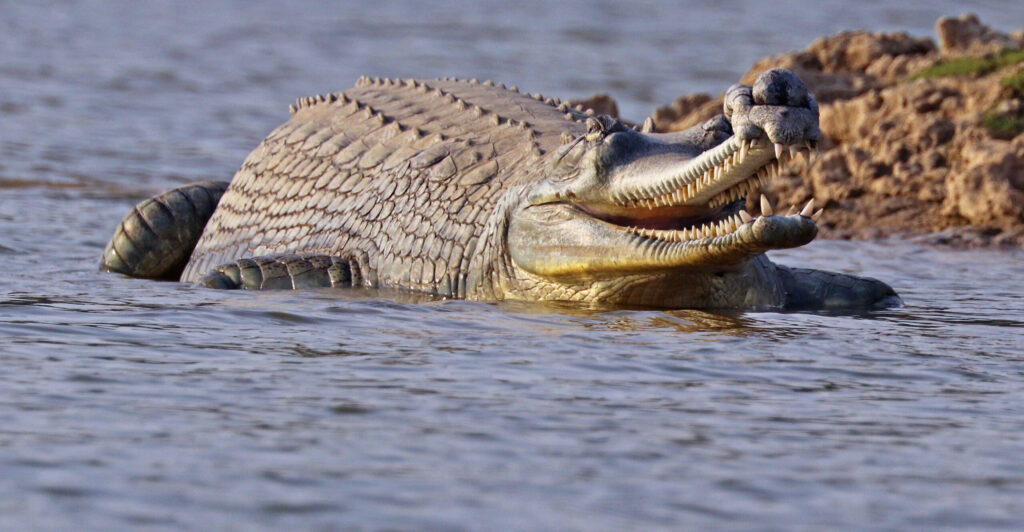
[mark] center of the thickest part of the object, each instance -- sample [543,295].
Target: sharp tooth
[817,215]
[745,216]
[808,209]
[778,151]
[791,211]
[743,149]
[793,150]
[766,206]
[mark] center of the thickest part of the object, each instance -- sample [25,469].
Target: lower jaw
[747,284]
[558,242]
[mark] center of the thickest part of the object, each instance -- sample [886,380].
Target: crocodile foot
[285,272]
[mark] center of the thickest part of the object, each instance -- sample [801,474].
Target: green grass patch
[971,66]
[1003,126]
[1014,82]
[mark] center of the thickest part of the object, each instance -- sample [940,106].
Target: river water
[139,404]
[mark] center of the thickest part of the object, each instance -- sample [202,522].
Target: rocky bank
[921,138]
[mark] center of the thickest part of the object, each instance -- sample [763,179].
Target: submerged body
[471,190]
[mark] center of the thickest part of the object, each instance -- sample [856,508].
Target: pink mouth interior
[675,218]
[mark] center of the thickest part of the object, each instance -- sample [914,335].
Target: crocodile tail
[156,238]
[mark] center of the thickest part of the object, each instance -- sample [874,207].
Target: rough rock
[602,104]
[967,35]
[687,111]
[902,156]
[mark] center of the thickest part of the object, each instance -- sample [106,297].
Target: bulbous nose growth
[778,105]
[779,86]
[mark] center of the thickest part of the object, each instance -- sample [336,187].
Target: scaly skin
[471,190]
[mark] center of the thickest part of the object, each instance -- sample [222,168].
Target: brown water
[128,403]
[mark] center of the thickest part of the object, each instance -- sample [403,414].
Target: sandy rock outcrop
[902,156]
[602,104]
[966,35]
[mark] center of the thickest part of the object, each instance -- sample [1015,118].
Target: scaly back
[402,176]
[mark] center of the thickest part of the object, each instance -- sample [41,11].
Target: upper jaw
[732,170]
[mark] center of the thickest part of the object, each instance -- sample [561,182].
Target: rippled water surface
[128,403]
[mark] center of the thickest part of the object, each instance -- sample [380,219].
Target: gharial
[473,190]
